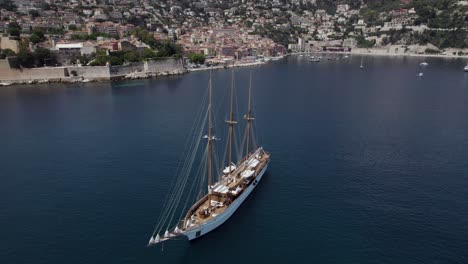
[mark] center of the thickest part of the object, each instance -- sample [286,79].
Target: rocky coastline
[117,73]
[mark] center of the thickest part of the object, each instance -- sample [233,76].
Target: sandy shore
[392,53]
[387,52]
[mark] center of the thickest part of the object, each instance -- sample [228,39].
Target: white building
[342,8]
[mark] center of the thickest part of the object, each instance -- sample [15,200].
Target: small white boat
[420,74]
[423,64]
[362,64]
[345,57]
[466,68]
[315,59]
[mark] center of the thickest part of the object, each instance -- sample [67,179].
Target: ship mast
[210,142]
[249,116]
[231,123]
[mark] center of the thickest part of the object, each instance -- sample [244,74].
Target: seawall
[90,73]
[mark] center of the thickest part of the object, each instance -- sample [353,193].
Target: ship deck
[232,187]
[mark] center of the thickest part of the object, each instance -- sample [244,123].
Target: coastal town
[234,131]
[216,33]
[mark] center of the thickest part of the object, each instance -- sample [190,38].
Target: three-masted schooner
[224,196]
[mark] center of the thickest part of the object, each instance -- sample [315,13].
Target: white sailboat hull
[209,226]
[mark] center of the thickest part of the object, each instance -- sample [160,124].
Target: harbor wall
[168,65]
[94,73]
[34,74]
[122,71]
[90,73]
[4,65]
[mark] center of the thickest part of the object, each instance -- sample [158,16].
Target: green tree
[116,60]
[37,36]
[34,13]
[148,54]
[45,6]
[145,36]
[8,5]
[39,32]
[8,52]
[370,16]
[14,29]
[364,43]
[43,56]
[197,58]
[34,39]
[14,25]
[131,56]
[25,58]
[425,11]
[101,58]
[168,49]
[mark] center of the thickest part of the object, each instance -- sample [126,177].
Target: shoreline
[241,64]
[133,75]
[72,80]
[386,53]
[150,75]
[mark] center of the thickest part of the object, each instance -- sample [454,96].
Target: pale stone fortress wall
[90,73]
[164,65]
[122,71]
[95,73]
[51,74]
[9,43]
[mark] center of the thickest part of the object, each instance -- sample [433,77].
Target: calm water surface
[368,166]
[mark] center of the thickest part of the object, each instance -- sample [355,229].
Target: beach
[402,50]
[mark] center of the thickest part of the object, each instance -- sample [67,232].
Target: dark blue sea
[368,166]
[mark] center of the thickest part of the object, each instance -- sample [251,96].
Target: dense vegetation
[37,36]
[197,58]
[14,29]
[363,43]
[8,5]
[164,48]
[38,58]
[6,53]
[447,15]
[439,38]
[101,58]
[281,36]
[443,39]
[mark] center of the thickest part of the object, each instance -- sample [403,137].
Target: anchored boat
[226,188]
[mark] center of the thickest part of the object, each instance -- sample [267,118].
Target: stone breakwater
[71,74]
